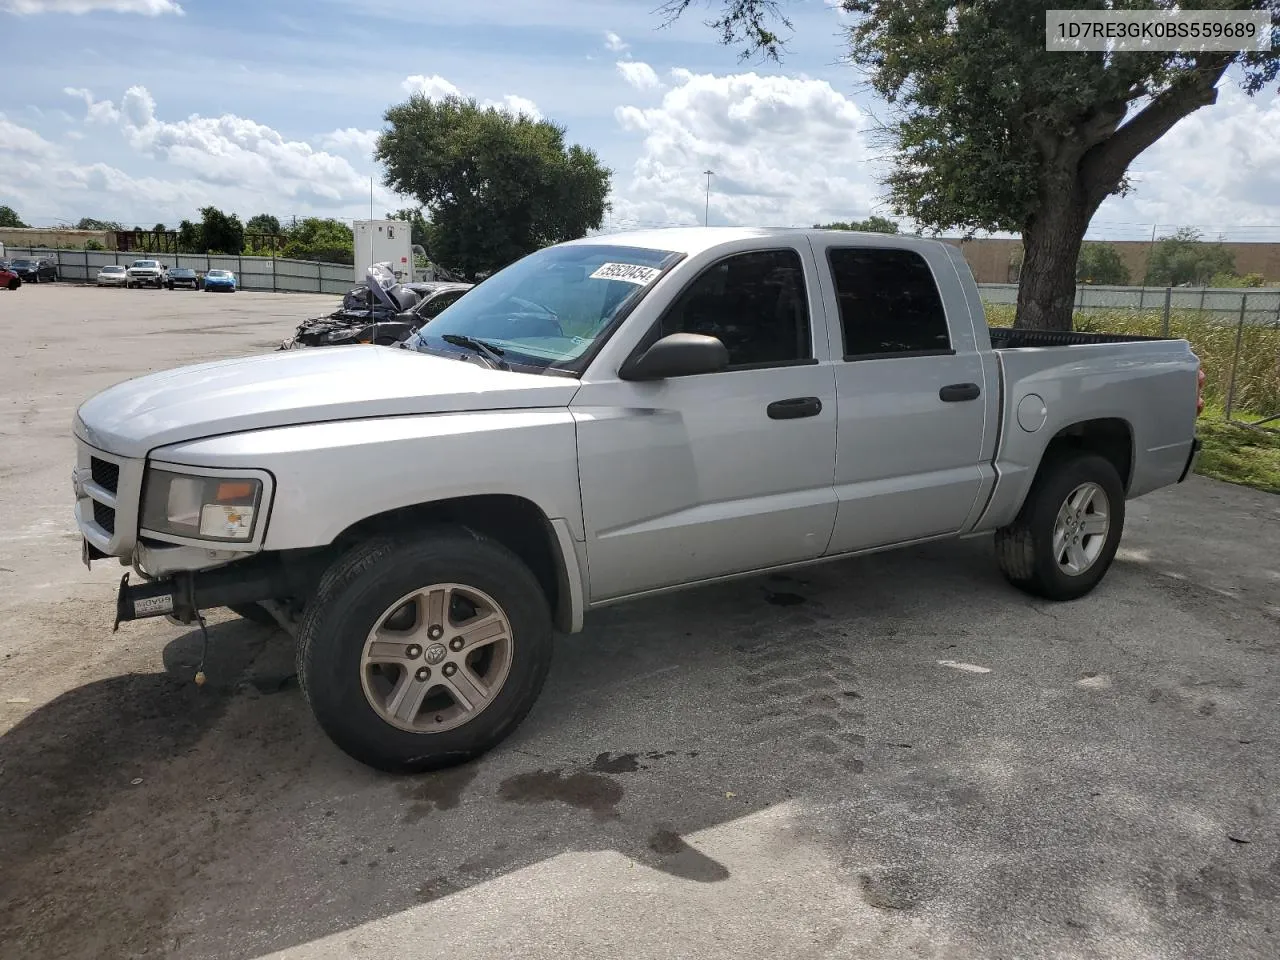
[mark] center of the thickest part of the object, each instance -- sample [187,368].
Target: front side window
[754,303]
[549,309]
[889,303]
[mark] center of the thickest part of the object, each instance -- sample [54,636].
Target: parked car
[183,277]
[223,281]
[113,275]
[399,309]
[145,273]
[34,270]
[9,280]
[609,418]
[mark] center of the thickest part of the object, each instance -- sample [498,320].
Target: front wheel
[1067,533]
[416,655]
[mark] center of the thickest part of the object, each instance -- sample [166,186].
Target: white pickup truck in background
[605,419]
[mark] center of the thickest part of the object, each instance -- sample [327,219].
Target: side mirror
[677,355]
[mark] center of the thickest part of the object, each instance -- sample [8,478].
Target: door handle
[956,392]
[794,408]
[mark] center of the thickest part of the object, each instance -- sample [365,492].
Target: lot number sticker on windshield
[626,272]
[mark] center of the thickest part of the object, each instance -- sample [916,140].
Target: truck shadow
[141,814]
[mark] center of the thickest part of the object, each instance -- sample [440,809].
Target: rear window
[889,304]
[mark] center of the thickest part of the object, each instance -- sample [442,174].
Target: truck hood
[300,386]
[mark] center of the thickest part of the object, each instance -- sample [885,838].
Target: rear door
[912,396]
[696,477]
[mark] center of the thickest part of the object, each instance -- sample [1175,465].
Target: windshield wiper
[487,350]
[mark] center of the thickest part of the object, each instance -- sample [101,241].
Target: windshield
[548,309]
[113,269]
[218,274]
[146,263]
[24,263]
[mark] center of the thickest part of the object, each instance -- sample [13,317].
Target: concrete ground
[895,756]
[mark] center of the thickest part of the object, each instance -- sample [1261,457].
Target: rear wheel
[15,283]
[1067,533]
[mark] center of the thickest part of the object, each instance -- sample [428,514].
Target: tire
[362,589]
[15,284]
[254,612]
[1025,549]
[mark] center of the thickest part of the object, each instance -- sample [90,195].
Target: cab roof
[693,240]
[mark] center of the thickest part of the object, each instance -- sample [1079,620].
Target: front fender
[330,476]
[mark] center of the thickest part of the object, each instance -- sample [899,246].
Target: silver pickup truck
[605,419]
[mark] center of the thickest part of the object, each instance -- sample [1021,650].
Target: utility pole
[706,215]
[1151,249]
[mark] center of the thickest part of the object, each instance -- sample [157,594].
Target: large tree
[496,185]
[263,223]
[220,232]
[317,238]
[9,217]
[991,132]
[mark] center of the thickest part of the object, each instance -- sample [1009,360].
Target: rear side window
[889,304]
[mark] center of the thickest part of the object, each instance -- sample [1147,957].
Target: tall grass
[1257,372]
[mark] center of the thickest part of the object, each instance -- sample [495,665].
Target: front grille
[104,516]
[105,474]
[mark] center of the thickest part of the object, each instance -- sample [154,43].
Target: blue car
[220,281]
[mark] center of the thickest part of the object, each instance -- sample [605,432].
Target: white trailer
[384,241]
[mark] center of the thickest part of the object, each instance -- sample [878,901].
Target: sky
[143,111]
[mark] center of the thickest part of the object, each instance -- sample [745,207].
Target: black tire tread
[1023,559]
[439,543]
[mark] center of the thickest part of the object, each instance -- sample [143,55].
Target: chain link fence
[277,274]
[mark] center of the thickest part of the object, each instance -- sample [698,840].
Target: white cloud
[614,43]
[148,8]
[21,140]
[640,75]
[785,151]
[432,87]
[98,111]
[1219,168]
[350,139]
[232,161]
[438,88]
[517,105]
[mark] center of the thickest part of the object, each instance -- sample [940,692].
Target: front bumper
[1192,458]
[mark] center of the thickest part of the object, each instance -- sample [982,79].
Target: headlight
[204,508]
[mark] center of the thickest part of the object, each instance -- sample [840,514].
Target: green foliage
[94,245]
[88,223]
[9,217]
[316,238]
[1240,454]
[1183,258]
[263,223]
[1231,280]
[220,232]
[1101,263]
[189,237]
[872,224]
[496,186]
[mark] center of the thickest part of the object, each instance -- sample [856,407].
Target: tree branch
[1105,164]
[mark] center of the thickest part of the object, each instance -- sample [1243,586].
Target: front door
[691,478]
